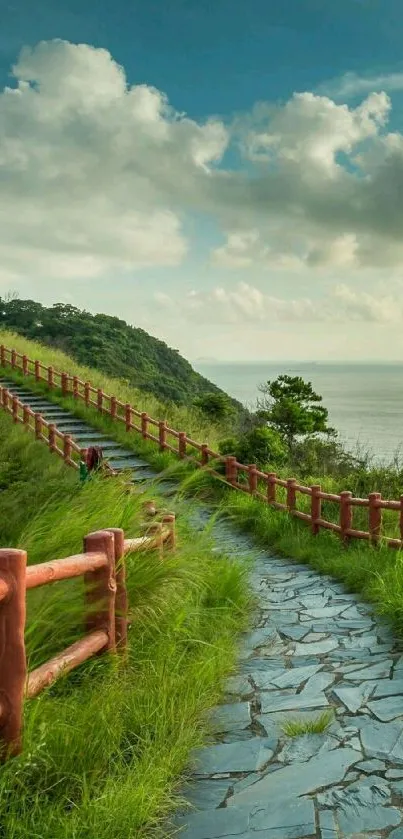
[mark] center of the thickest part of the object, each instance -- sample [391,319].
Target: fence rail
[244,478]
[102,565]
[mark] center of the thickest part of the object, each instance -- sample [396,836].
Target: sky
[226,175]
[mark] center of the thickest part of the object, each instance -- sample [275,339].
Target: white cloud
[246,304]
[351,84]
[97,177]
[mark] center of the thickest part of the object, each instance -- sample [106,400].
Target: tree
[290,405]
[262,445]
[217,406]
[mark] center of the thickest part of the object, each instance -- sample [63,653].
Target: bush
[262,446]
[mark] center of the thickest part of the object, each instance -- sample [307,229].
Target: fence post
[374,517]
[15,408]
[87,393]
[204,454]
[75,387]
[401,520]
[13,358]
[162,434]
[346,514]
[38,426]
[2,355]
[231,469]
[26,414]
[121,600]
[271,487]
[101,587]
[5,397]
[37,366]
[291,494]
[155,530]
[25,365]
[52,437]
[65,389]
[144,425]
[114,407]
[128,416]
[169,519]
[182,444]
[100,399]
[316,508]
[51,381]
[67,448]
[252,478]
[13,669]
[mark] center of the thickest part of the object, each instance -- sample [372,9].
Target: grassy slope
[376,574]
[104,748]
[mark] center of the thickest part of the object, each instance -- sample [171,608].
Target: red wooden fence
[248,479]
[102,564]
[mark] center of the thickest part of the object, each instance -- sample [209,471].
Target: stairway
[119,458]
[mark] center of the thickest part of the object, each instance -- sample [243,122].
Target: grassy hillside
[108,344]
[104,748]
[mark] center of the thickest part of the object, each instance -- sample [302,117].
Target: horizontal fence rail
[103,567]
[244,478]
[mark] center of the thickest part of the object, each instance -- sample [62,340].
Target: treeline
[110,345]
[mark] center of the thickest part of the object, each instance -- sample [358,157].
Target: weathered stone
[214,824]
[243,756]
[387,709]
[389,687]
[315,636]
[291,782]
[396,834]
[376,671]
[301,749]
[327,825]
[326,612]
[318,683]
[319,648]
[264,679]
[394,773]
[278,822]
[298,702]
[353,697]
[364,806]
[383,740]
[295,633]
[370,766]
[295,677]
[238,686]
[206,795]
[229,717]
[360,642]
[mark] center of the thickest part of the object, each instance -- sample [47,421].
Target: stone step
[131,462]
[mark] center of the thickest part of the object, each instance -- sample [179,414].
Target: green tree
[290,405]
[217,406]
[262,445]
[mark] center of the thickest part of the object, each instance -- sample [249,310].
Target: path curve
[314,648]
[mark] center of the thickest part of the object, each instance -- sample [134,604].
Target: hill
[111,345]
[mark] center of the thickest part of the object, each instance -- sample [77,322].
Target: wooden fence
[102,564]
[246,478]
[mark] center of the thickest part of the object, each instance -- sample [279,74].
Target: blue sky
[244,222]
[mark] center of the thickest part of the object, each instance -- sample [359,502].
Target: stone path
[313,649]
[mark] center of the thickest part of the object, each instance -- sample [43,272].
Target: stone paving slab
[314,648]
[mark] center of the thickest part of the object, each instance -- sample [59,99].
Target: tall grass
[105,747]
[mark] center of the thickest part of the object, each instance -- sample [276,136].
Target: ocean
[365,401]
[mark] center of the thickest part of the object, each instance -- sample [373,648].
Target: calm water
[365,401]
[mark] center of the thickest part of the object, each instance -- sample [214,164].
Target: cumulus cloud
[97,177]
[351,84]
[246,304]
[89,167]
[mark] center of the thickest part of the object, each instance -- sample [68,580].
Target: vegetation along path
[309,742]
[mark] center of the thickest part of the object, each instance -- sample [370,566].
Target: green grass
[105,748]
[299,727]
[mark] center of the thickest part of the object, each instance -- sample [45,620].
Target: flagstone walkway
[314,648]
